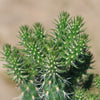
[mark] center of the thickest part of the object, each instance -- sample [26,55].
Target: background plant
[51,66]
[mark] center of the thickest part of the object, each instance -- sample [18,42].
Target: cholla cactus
[49,65]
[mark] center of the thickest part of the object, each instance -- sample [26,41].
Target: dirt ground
[14,13]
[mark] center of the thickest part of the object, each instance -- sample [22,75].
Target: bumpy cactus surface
[50,66]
